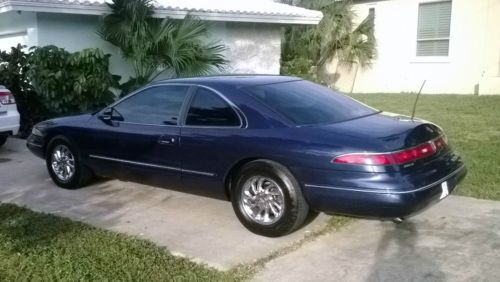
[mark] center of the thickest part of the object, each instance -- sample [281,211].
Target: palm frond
[160,46]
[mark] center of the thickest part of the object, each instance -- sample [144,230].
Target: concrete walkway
[202,228]
[456,240]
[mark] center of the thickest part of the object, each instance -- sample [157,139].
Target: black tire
[295,209]
[3,139]
[82,174]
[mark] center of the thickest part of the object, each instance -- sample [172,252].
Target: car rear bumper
[382,203]
[9,123]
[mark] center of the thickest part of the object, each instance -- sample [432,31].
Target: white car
[9,116]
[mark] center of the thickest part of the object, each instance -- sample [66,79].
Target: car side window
[209,109]
[159,105]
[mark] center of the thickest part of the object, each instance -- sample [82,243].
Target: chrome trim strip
[239,113]
[34,145]
[134,163]
[387,191]
[198,172]
[152,165]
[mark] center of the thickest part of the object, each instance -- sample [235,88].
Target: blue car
[278,147]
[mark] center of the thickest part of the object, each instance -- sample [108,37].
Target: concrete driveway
[457,240]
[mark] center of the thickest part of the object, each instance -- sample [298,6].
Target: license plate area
[445,191]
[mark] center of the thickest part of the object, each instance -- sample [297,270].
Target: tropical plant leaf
[157,47]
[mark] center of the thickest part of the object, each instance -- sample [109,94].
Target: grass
[244,272]
[42,247]
[472,124]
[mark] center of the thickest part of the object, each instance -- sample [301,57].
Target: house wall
[251,48]
[18,28]
[75,33]
[473,64]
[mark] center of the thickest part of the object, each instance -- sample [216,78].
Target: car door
[140,136]
[210,137]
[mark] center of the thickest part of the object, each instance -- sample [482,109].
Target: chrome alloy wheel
[63,163]
[263,200]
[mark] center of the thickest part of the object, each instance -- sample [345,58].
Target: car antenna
[416,100]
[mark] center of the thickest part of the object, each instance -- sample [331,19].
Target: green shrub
[49,82]
[300,67]
[13,69]
[71,82]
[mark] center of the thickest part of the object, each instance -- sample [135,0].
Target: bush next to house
[71,82]
[49,81]
[13,70]
[308,49]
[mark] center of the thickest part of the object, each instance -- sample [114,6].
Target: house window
[433,34]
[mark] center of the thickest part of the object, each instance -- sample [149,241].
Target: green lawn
[41,247]
[472,124]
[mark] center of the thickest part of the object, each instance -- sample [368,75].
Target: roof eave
[161,13]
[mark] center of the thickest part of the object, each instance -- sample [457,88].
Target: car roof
[236,80]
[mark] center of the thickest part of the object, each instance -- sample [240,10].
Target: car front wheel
[268,200]
[65,166]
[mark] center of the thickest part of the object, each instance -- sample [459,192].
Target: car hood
[69,120]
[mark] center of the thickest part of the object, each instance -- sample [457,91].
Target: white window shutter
[433,34]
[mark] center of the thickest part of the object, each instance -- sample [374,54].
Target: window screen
[208,109]
[433,34]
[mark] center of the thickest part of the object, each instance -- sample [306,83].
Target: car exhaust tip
[398,220]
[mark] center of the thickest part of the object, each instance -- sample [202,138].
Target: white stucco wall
[251,48]
[474,56]
[18,28]
[75,33]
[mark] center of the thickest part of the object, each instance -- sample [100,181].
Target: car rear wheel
[64,165]
[268,200]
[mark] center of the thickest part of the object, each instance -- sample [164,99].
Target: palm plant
[157,47]
[335,37]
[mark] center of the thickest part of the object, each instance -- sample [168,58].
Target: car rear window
[307,103]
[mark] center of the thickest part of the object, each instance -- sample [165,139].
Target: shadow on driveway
[398,257]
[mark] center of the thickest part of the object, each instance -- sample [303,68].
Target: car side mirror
[106,115]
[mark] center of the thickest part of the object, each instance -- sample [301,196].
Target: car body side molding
[151,165]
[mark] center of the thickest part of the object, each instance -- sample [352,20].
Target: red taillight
[414,153]
[440,142]
[364,159]
[6,98]
[394,158]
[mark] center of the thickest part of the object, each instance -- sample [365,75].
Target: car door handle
[166,140]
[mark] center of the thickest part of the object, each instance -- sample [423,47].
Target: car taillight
[6,98]
[394,158]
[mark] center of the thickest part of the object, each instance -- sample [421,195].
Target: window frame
[234,108]
[432,58]
[146,88]
[181,122]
